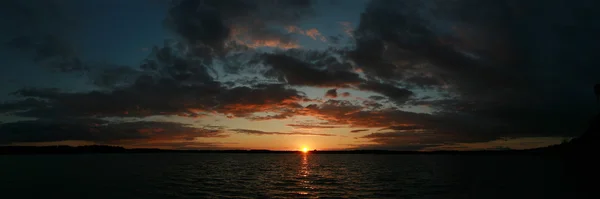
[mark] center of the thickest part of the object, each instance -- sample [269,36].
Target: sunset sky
[287,74]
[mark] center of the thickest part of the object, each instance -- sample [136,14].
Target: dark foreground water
[282,176]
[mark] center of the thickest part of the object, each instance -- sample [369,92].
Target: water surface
[282,176]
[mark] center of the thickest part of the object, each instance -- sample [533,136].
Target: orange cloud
[241,110]
[258,132]
[274,43]
[294,29]
[312,33]
[342,112]
[313,126]
[244,36]
[283,107]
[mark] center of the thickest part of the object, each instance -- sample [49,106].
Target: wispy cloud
[312,126]
[258,132]
[359,130]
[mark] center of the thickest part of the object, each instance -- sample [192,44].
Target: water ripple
[275,176]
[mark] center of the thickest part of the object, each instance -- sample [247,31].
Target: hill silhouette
[579,159]
[585,143]
[589,138]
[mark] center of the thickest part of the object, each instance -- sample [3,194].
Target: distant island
[583,143]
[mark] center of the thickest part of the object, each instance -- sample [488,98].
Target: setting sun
[304,150]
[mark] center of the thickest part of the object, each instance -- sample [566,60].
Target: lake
[173,175]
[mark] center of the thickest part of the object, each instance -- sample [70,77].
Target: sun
[304,150]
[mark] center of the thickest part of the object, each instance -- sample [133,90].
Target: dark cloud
[451,126]
[404,128]
[395,94]
[404,141]
[205,29]
[322,69]
[24,104]
[58,54]
[376,98]
[358,130]
[464,50]
[283,114]
[213,22]
[334,39]
[200,22]
[173,61]
[244,101]
[397,146]
[430,56]
[392,135]
[115,76]
[523,118]
[372,104]
[487,69]
[145,98]
[423,81]
[312,126]
[407,140]
[101,131]
[257,132]
[522,74]
[41,31]
[332,93]
[321,73]
[50,51]
[186,145]
[149,97]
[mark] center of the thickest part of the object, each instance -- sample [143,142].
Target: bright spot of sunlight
[304,150]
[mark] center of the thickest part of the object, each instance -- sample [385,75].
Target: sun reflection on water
[304,176]
[304,167]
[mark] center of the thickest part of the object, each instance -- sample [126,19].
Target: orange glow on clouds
[241,35]
[274,43]
[312,33]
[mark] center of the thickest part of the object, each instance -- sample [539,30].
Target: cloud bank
[415,74]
